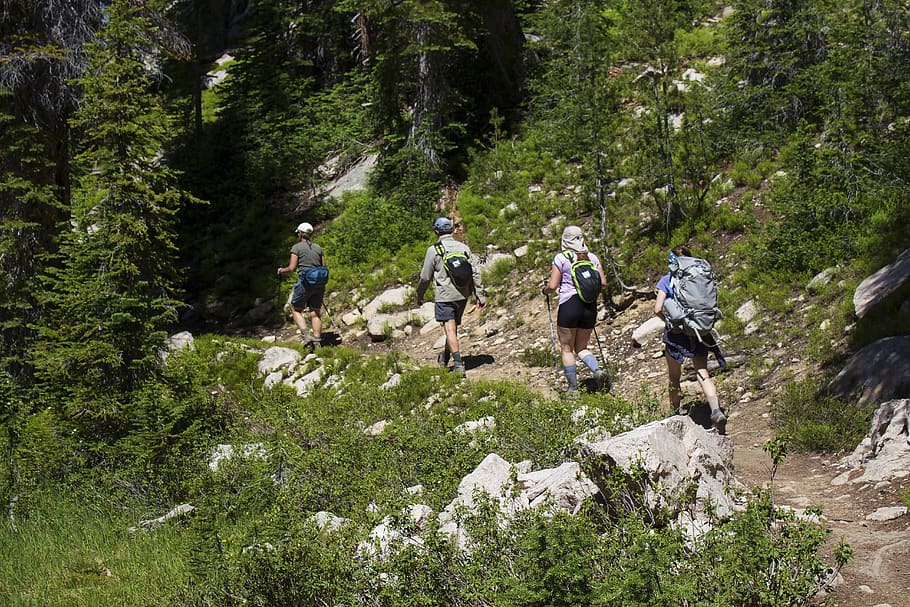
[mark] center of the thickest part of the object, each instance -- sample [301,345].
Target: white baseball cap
[305,227]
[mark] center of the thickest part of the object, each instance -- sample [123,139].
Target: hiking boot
[572,394]
[310,340]
[458,367]
[603,380]
[442,359]
[719,420]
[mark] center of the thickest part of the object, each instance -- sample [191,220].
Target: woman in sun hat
[575,318]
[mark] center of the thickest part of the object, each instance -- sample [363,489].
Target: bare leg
[674,372]
[316,321]
[567,339]
[707,385]
[299,320]
[451,331]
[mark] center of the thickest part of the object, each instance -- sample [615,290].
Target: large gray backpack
[693,308]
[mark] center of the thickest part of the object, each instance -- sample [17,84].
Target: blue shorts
[681,346]
[576,314]
[450,310]
[307,298]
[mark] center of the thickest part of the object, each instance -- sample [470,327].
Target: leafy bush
[810,421]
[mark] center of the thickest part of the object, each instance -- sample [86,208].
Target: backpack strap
[440,250]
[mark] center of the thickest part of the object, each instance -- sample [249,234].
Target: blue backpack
[314,277]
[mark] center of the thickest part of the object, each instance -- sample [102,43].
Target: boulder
[278,357]
[379,324]
[562,488]
[396,297]
[747,312]
[885,452]
[674,453]
[875,288]
[877,373]
[355,178]
[821,280]
[178,341]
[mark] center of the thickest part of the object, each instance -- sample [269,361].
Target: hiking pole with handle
[553,338]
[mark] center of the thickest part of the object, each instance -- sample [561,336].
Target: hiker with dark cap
[441,266]
[678,346]
[575,318]
[308,258]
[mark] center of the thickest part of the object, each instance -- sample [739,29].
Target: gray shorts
[450,310]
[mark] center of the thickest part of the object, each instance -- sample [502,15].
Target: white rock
[747,312]
[278,357]
[645,331]
[377,428]
[887,513]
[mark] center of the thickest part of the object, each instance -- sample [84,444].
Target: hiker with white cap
[447,264]
[578,276]
[309,290]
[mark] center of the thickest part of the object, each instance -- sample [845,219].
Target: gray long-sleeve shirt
[434,270]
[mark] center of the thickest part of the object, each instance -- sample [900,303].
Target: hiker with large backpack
[309,291]
[578,276]
[447,264]
[687,303]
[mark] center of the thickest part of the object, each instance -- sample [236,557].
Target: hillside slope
[493,343]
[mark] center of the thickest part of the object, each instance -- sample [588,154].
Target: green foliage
[108,302]
[810,421]
[28,210]
[537,357]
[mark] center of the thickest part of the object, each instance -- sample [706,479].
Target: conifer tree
[112,295]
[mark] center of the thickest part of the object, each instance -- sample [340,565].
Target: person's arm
[292,265]
[322,261]
[426,274]
[552,285]
[659,304]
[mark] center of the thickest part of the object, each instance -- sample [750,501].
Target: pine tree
[111,297]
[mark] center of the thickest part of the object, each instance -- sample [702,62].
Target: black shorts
[450,310]
[576,314]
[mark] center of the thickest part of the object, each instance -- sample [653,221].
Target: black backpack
[457,266]
[585,277]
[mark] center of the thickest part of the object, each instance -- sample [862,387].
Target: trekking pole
[608,382]
[553,338]
[331,320]
[603,358]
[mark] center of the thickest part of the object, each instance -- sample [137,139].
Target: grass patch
[73,551]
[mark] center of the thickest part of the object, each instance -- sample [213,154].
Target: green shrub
[537,357]
[810,421]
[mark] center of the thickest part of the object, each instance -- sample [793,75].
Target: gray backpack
[693,308]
